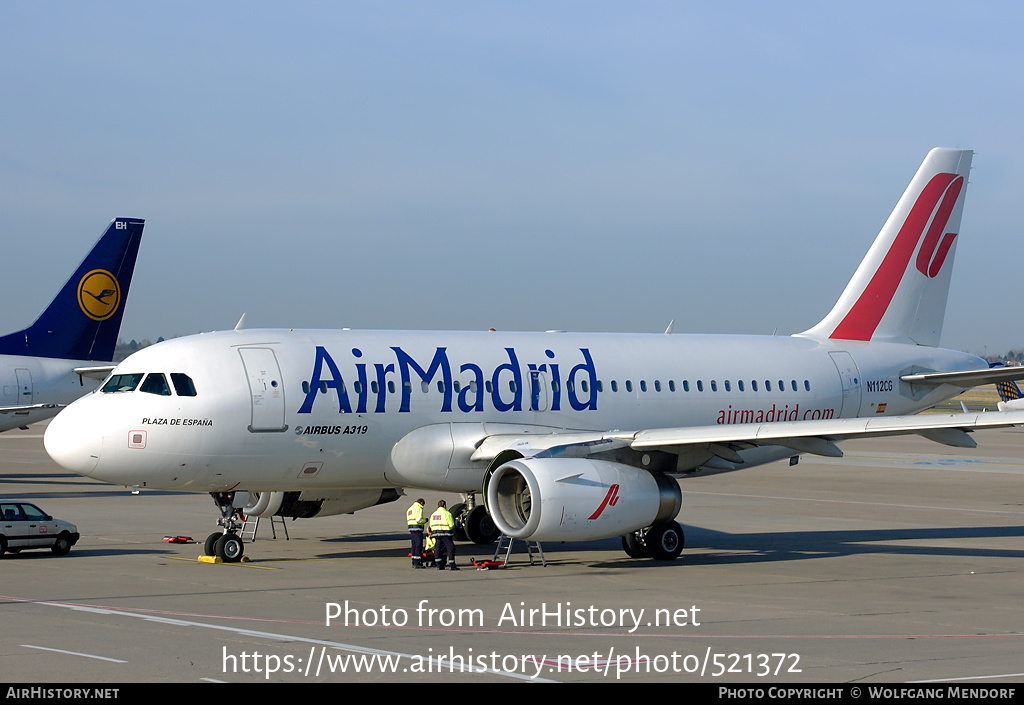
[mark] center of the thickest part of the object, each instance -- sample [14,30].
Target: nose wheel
[226,544]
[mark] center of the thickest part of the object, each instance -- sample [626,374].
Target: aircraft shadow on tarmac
[89,489]
[719,548]
[79,553]
[709,547]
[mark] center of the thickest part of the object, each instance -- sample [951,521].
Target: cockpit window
[156,383]
[122,383]
[183,386]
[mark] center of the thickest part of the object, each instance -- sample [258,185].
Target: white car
[24,525]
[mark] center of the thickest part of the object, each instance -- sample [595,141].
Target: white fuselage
[27,381]
[283,410]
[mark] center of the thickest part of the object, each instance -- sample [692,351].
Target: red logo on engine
[610,499]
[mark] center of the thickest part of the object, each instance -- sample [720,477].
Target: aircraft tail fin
[1008,390]
[84,319]
[899,291]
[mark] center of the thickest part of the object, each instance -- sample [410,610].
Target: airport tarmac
[902,562]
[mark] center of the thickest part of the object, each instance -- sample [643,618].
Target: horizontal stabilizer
[968,378]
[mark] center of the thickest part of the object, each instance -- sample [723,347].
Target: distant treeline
[123,349]
[1013,357]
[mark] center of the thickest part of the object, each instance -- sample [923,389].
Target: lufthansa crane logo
[99,294]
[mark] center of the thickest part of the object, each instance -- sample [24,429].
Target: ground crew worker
[415,519]
[442,524]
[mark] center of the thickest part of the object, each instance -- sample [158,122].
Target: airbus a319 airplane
[564,436]
[44,366]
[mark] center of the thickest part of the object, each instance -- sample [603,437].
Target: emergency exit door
[849,377]
[265,388]
[24,386]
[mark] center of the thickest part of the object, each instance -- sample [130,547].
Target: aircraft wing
[720,445]
[950,429]
[27,407]
[968,378]
[99,372]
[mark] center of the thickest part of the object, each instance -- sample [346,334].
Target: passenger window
[714,386]
[156,383]
[686,385]
[629,385]
[122,383]
[740,382]
[700,385]
[615,386]
[11,512]
[183,386]
[728,387]
[807,385]
[33,513]
[643,385]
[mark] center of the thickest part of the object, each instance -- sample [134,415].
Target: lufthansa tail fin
[1008,391]
[83,320]
[898,294]
[1010,398]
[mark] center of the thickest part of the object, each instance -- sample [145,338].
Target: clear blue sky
[466,165]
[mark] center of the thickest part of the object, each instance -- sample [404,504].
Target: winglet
[83,320]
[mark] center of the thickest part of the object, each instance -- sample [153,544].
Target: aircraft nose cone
[74,439]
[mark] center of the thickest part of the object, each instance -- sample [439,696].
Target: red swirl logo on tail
[939,198]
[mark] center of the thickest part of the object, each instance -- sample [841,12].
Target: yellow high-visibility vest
[442,520]
[414,515]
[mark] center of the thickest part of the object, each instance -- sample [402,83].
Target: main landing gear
[226,544]
[662,542]
[473,523]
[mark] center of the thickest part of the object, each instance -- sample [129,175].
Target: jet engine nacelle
[563,499]
[306,505]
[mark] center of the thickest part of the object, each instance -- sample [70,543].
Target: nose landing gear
[226,544]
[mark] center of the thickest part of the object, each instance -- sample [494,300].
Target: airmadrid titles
[501,387]
[504,385]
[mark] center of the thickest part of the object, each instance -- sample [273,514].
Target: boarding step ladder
[507,542]
[251,524]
